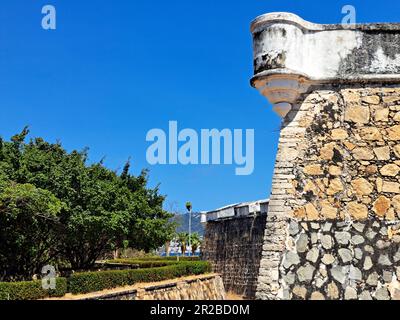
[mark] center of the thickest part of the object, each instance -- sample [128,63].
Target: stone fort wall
[333,227]
[234,246]
[332,230]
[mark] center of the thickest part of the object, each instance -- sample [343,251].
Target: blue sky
[113,70]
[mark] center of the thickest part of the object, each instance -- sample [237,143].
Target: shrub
[96,281]
[193,258]
[31,290]
[86,282]
[152,262]
[141,264]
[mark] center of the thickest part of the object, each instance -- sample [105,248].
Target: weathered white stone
[319,282]
[357,239]
[313,255]
[302,243]
[367,263]
[371,234]
[355,273]
[369,249]
[332,291]
[342,237]
[327,227]
[300,292]
[380,244]
[338,274]
[314,238]
[358,254]
[291,259]
[382,294]
[359,226]
[372,279]
[396,257]
[345,255]
[365,295]
[384,260]
[315,226]
[317,296]
[350,294]
[387,276]
[328,259]
[294,228]
[326,242]
[289,278]
[305,273]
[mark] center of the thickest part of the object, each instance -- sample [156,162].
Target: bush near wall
[151,262]
[86,282]
[139,264]
[31,290]
[96,281]
[193,258]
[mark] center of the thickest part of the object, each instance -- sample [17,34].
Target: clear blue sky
[115,69]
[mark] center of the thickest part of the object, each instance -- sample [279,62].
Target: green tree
[195,242]
[150,225]
[29,219]
[183,238]
[101,209]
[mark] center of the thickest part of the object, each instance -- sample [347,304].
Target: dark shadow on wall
[234,247]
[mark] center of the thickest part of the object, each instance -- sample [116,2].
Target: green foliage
[151,262]
[140,264]
[28,216]
[48,191]
[96,281]
[31,290]
[195,242]
[183,239]
[154,258]
[85,282]
[149,233]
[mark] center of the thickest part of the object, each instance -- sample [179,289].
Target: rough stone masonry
[333,224]
[234,237]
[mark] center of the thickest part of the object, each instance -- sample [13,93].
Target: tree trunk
[116,254]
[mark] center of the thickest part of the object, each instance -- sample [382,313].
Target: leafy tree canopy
[92,208]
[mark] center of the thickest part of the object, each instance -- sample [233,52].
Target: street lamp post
[189,209]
